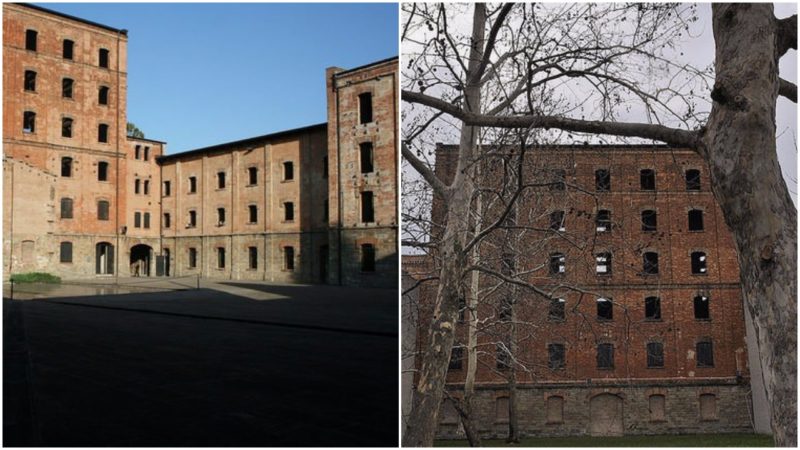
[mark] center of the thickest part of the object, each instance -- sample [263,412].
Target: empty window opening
[167,220]
[288,258]
[146,187]
[29,122]
[102,97]
[67,49]
[558,263]
[103,58]
[699,263]
[137,152]
[603,266]
[102,210]
[657,407]
[192,219]
[702,310]
[192,257]
[367,258]
[605,356]
[555,409]
[649,220]
[220,257]
[365,107]
[288,211]
[692,180]
[557,309]
[147,220]
[220,216]
[705,354]
[192,185]
[66,208]
[557,221]
[603,221]
[66,87]
[507,264]
[252,212]
[146,153]
[652,308]
[288,171]
[137,186]
[137,219]
[605,309]
[102,171]
[102,133]
[167,189]
[456,358]
[66,166]
[366,157]
[30,80]
[220,180]
[503,358]
[655,354]
[367,207]
[30,40]
[65,252]
[602,180]
[252,176]
[252,258]
[650,263]
[695,220]
[647,178]
[555,356]
[66,127]
[559,180]
[462,308]
[506,308]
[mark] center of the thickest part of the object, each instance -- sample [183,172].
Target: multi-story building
[628,318]
[81,198]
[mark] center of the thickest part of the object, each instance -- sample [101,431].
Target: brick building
[83,199]
[635,324]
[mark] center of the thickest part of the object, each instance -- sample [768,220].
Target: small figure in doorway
[136,268]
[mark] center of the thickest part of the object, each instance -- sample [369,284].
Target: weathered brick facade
[635,378]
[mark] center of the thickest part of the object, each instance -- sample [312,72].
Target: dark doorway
[104,258]
[141,255]
[323,263]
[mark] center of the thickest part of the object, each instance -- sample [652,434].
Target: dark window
[220,180]
[655,354]
[557,309]
[66,166]
[102,171]
[167,189]
[508,265]
[557,220]
[699,263]
[103,58]
[503,357]
[192,257]
[67,49]
[602,180]
[555,356]
[365,107]
[102,210]
[288,171]
[137,152]
[220,257]
[30,40]
[192,219]
[192,185]
[147,220]
[252,257]
[65,254]
[366,157]
[288,258]
[647,177]
[605,356]
[288,211]
[603,264]
[649,220]
[66,127]
[102,97]
[702,310]
[695,220]
[456,358]
[29,122]
[605,309]
[326,211]
[506,308]
[559,180]
[66,87]
[650,263]
[102,133]
[367,207]
[252,211]
[66,208]
[558,263]
[692,180]
[137,219]
[220,216]
[252,176]
[146,187]
[30,80]
[146,153]
[136,186]
[603,221]
[462,308]
[652,308]
[167,220]
[325,167]
[367,258]
[705,354]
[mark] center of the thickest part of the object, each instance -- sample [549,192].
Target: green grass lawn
[35,277]
[691,440]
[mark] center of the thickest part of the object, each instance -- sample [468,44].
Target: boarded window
[192,219]
[557,309]
[102,171]
[503,358]
[147,220]
[103,58]
[602,180]
[652,308]
[192,185]
[605,309]
[650,263]
[657,405]
[252,176]
[699,263]
[65,252]
[102,133]
[102,210]
[367,207]
[449,413]
[66,166]
[501,409]
[555,356]
[708,407]
[252,257]
[705,354]
[66,127]
[220,257]
[647,178]
[220,216]
[603,221]
[558,263]
[29,122]
[288,258]
[192,257]
[137,219]
[655,354]
[557,221]
[649,220]
[288,171]
[366,157]
[66,208]
[702,310]
[288,211]
[66,87]
[27,251]
[605,356]
[456,358]
[252,212]
[167,220]
[167,189]
[603,266]
[102,96]
[30,40]
[67,49]
[367,258]
[695,220]
[220,180]
[30,80]
[692,180]
[365,108]
[555,409]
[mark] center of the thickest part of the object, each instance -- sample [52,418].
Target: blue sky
[205,73]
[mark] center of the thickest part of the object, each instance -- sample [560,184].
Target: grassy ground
[694,440]
[35,277]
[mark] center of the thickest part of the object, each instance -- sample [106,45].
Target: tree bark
[470,430]
[739,145]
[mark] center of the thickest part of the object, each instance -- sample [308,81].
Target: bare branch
[487,52]
[786,30]
[787,89]
[436,184]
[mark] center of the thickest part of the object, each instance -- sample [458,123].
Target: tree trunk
[470,430]
[739,145]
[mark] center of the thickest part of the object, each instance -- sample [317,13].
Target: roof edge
[67,16]
[374,63]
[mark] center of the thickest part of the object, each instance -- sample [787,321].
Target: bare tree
[517,54]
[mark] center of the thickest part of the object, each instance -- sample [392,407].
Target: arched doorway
[606,415]
[141,255]
[104,258]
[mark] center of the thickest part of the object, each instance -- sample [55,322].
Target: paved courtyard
[230,364]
